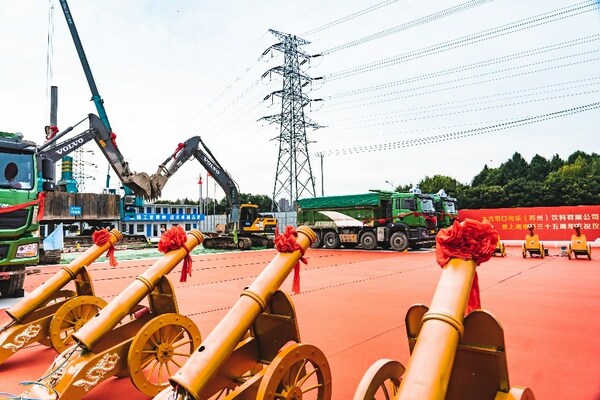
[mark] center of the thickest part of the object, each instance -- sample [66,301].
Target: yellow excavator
[245,227]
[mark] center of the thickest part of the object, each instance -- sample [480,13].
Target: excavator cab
[252,222]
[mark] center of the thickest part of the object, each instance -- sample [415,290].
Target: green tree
[514,168]
[539,168]
[437,182]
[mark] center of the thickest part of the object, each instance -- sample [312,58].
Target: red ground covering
[352,307]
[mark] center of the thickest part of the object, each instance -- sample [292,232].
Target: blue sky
[171,70]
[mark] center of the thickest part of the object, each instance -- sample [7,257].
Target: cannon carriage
[532,245]
[148,347]
[50,314]
[255,352]
[579,245]
[453,357]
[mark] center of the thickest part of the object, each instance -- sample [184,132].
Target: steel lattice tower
[294,173]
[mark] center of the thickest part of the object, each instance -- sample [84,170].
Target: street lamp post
[322,182]
[391,183]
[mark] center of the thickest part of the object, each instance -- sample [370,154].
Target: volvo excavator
[245,227]
[54,150]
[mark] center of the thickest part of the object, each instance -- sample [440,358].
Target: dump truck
[389,220]
[19,205]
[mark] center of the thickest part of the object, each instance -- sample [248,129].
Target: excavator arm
[139,183]
[195,147]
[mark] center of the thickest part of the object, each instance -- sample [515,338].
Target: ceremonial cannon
[500,248]
[254,352]
[148,347]
[579,245]
[50,314]
[532,245]
[452,357]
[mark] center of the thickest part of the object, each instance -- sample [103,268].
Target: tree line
[515,183]
[518,183]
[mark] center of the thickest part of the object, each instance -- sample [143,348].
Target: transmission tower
[81,164]
[294,173]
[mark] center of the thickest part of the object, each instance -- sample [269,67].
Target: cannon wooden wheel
[159,349]
[299,371]
[381,381]
[70,317]
[57,297]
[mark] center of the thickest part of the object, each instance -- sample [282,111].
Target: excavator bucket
[157,182]
[140,184]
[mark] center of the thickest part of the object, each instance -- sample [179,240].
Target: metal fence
[284,218]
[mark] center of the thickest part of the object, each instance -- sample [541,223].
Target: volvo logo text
[70,146]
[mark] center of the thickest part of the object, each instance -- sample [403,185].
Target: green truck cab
[388,220]
[19,242]
[446,209]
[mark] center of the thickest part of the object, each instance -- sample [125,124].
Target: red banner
[550,223]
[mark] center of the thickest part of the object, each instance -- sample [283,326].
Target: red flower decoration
[174,239]
[467,240]
[102,237]
[286,243]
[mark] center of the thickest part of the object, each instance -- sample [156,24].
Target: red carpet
[353,304]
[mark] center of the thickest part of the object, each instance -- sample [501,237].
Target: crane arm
[54,150]
[195,147]
[98,102]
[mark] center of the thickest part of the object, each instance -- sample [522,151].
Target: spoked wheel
[70,317]
[57,297]
[381,381]
[159,349]
[299,372]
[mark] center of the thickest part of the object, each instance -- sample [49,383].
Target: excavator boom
[244,219]
[54,150]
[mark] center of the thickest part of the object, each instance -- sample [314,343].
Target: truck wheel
[318,241]
[13,287]
[331,240]
[368,240]
[399,241]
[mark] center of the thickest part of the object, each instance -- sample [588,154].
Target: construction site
[431,228]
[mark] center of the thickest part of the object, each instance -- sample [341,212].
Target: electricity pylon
[294,173]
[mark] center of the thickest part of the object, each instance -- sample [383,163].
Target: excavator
[245,227]
[54,150]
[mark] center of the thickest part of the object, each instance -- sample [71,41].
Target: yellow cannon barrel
[439,336]
[121,305]
[44,292]
[205,362]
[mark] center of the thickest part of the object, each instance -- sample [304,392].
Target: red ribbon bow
[467,240]
[113,138]
[100,238]
[174,239]
[286,243]
[177,150]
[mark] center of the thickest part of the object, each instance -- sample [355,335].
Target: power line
[540,19]
[468,67]
[464,133]
[349,17]
[362,103]
[411,24]
[471,110]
